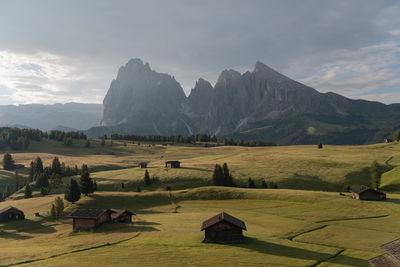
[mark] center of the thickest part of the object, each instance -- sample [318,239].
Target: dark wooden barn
[390,258]
[388,140]
[224,229]
[365,193]
[121,215]
[89,219]
[11,214]
[173,164]
[143,165]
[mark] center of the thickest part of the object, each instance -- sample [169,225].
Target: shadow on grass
[197,169]
[25,226]
[117,227]
[292,252]
[308,182]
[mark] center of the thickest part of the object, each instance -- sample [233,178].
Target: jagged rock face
[262,104]
[145,101]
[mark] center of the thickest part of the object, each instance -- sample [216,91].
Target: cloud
[43,78]
[71,50]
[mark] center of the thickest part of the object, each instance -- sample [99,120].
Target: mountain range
[260,104]
[67,117]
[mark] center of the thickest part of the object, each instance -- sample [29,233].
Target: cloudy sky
[63,51]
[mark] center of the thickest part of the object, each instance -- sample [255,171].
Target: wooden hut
[89,219]
[143,165]
[388,140]
[365,193]
[121,215]
[173,164]
[224,229]
[11,214]
[390,258]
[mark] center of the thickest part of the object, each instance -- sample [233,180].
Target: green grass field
[285,228]
[303,227]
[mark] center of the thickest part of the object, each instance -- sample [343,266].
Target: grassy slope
[300,167]
[285,228]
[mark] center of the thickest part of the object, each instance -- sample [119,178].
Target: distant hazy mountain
[47,117]
[261,104]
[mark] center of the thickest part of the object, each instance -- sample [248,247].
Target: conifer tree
[38,168]
[251,183]
[72,192]
[8,162]
[53,211]
[59,207]
[56,166]
[86,184]
[376,173]
[138,189]
[28,191]
[42,180]
[396,136]
[146,178]
[217,175]
[264,184]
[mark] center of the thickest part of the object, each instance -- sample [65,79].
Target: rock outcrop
[261,104]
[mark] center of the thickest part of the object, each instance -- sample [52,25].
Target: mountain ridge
[261,103]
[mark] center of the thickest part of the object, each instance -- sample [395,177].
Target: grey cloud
[193,39]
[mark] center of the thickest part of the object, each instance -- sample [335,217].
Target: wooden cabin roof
[360,189]
[385,260]
[115,213]
[393,248]
[11,208]
[87,213]
[223,216]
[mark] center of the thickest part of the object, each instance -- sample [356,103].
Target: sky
[69,51]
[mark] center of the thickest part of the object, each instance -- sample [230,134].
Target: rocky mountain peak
[228,75]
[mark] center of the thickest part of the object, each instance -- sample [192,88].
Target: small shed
[11,214]
[89,219]
[173,164]
[224,229]
[121,215]
[143,165]
[388,140]
[365,193]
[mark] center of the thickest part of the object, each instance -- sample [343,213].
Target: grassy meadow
[313,225]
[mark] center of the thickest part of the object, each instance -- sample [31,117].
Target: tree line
[19,139]
[161,138]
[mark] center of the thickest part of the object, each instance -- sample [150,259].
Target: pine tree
[56,166]
[38,168]
[53,211]
[264,184]
[28,191]
[85,168]
[59,207]
[8,162]
[227,177]
[86,184]
[42,181]
[217,175]
[138,189]
[397,136]
[376,173]
[72,192]
[146,178]
[251,183]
